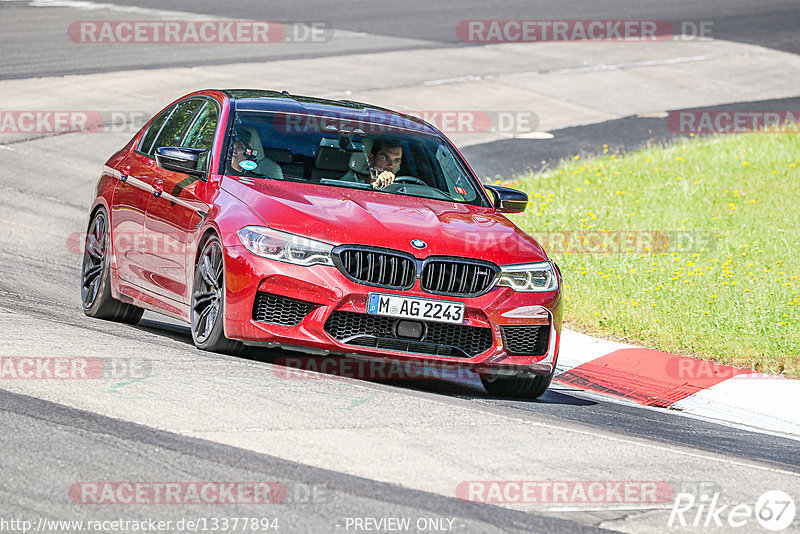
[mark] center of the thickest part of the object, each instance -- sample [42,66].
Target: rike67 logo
[774,510]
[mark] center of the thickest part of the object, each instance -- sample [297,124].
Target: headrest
[255,141]
[359,163]
[358,160]
[367,142]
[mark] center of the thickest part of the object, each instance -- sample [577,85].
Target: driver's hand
[385,178]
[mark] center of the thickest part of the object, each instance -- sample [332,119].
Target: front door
[175,213]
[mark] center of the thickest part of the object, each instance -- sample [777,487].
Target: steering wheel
[409,180]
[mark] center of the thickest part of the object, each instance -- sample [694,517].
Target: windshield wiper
[343,183]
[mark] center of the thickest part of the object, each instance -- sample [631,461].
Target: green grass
[731,298]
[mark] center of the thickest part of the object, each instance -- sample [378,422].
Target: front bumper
[323,299]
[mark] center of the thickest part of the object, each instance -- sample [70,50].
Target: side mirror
[181,159]
[507,200]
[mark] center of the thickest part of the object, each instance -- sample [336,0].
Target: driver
[384,161]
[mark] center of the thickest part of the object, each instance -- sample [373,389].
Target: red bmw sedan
[269,219]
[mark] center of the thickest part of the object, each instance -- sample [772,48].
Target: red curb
[647,376]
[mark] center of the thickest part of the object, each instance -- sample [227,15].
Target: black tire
[528,387]
[95,273]
[208,300]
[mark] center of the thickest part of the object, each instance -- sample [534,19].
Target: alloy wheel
[94,259]
[207,290]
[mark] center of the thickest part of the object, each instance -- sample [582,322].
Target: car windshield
[334,152]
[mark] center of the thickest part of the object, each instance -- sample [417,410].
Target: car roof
[284,102]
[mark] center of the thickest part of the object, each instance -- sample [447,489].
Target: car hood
[338,215]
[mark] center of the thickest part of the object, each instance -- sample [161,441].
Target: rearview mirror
[181,159]
[507,200]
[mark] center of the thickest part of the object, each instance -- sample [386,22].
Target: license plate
[415,308]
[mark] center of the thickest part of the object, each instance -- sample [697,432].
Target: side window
[152,132]
[172,132]
[201,133]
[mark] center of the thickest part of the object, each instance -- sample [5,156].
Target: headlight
[282,246]
[529,277]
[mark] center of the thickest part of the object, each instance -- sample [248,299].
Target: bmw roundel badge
[418,243]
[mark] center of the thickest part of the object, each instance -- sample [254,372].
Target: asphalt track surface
[769,23]
[319,495]
[50,444]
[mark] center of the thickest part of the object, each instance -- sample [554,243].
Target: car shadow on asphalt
[460,383]
[298,365]
[172,331]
